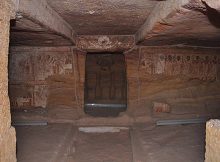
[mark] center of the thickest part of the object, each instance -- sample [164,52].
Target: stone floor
[140,143]
[169,143]
[52,143]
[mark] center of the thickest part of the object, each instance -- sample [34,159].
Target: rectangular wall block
[7,133]
[212,141]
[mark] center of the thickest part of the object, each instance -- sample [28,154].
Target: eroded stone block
[212,141]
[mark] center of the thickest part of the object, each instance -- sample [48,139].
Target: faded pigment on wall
[186,79]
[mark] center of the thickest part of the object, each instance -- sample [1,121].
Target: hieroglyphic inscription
[202,67]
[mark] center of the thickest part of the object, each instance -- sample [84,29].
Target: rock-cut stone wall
[185,79]
[7,133]
[47,77]
[212,141]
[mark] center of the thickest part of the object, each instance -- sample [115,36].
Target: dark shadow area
[105,84]
[213,15]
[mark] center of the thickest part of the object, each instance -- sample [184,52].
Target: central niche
[105,84]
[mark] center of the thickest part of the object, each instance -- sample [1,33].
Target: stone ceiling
[190,28]
[104,17]
[145,22]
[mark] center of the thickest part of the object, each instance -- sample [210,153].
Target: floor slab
[139,143]
[103,147]
[50,143]
[168,143]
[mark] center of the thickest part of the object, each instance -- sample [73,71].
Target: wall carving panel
[32,70]
[49,64]
[202,67]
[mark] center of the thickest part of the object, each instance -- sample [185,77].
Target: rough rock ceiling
[102,23]
[190,28]
[29,38]
[104,17]
[28,33]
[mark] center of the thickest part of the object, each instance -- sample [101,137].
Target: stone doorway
[105,84]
